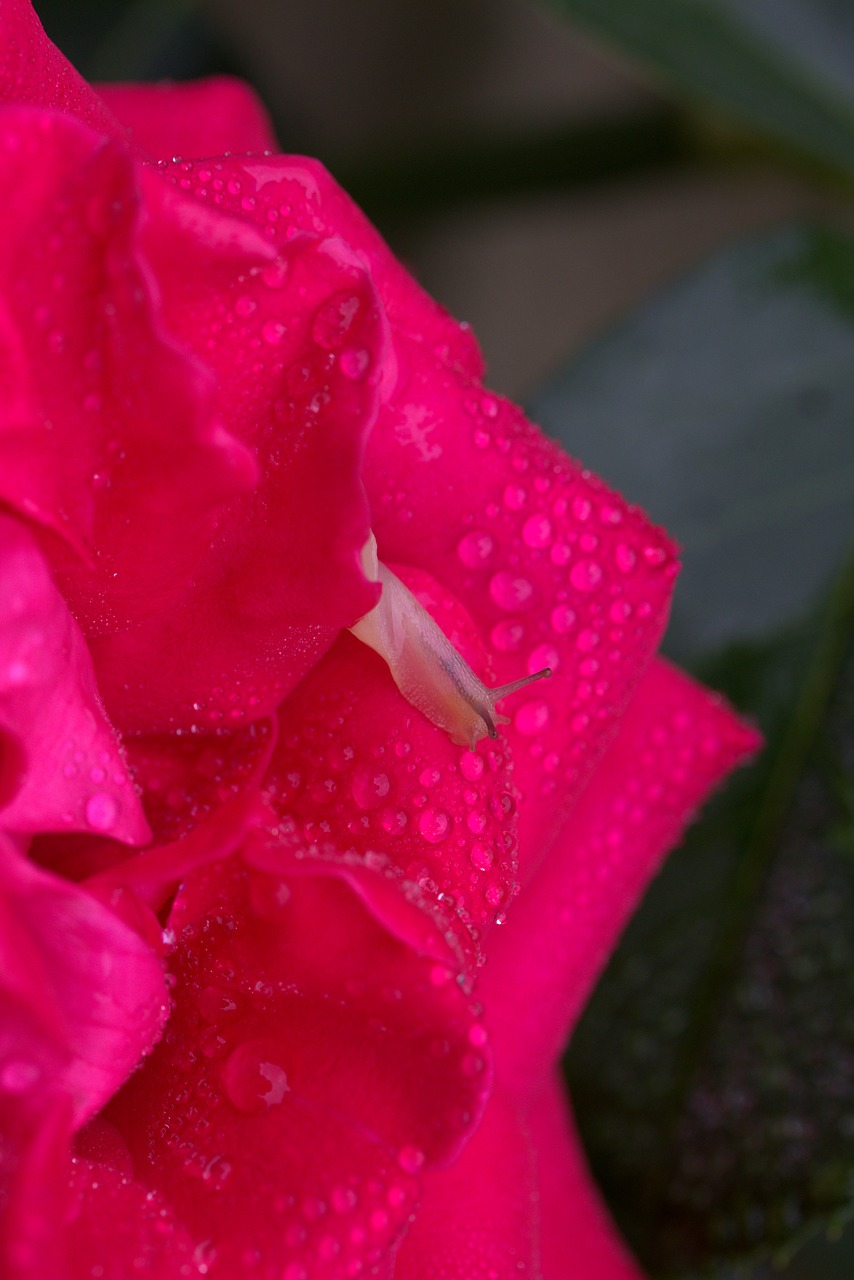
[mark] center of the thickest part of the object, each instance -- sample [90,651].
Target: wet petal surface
[676,742]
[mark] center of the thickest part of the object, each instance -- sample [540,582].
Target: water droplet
[507,636]
[625,557]
[370,788]
[355,362]
[214,1004]
[275,274]
[255,1076]
[272,332]
[434,825]
[510,591]
[587,640]
[17,1076]
[537,531]
[343,1199]
[472,766]
[585,575]
[481,856]
[654,555]
[562,619]
[475,549]
[532,718]
[393,821]
[101,811]
[411,1159]
[544,655]
[334,319]
[515,497]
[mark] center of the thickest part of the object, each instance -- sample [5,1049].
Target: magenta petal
[102,997]
[73,775]
[676,742]
[556,570]
[297,349]
[32,70]
[578,1240]
[313,1067]
[195,118]
[116,1228]
[357,764]
[34,1151]
[478,1219]
[104,417]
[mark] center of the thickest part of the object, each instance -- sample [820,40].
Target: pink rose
[247,888]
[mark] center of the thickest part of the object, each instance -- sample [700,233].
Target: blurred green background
[646,212]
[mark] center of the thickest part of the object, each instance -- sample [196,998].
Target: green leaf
[713,1072]
[782,67]
[724,407]
[714,1069]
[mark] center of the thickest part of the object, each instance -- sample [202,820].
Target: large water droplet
[475,549]
[255,1075]
[532,718]
[537,531]
[370,788]
[511,591]
[434,825]
[101,811]
[585,575]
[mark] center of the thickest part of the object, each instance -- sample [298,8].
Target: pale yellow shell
[426,667]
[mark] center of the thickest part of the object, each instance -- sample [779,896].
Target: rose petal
[314,1064]
[32,70]
[306,198]
[197,118]
[477,1220]
[100,993]
[578,1240]
[676,742]
[107,416]
[33,1188]
[283,574]
[72,774]
[358,765]
[555,569]
[115,1228]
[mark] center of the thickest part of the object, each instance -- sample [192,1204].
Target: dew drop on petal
[355,362]
[255,1076]
[511,591]
[481,856]
[475,549]
[411,1159]
[101,811]
[507,636]
[434,825]
[472,766]
[544,655]
[562,619]
[537,531]
[370,788]
[625,557]
[585,575]
[532,718]
[272,332]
